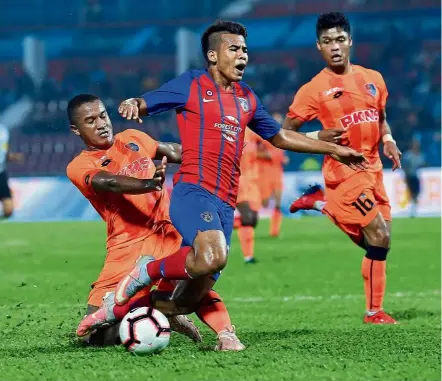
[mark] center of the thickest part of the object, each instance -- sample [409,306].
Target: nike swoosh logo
[208,100]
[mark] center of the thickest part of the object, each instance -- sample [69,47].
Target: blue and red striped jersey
[212,124]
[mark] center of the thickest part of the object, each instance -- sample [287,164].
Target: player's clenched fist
[350,157]
[130,109]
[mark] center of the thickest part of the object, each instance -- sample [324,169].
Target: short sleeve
[148,143]
[383,92]
[304,106]
[262,123]
[81,172]
[171,95]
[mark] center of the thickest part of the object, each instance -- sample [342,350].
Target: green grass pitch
[299,310]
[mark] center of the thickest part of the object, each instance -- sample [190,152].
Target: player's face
[93,125]
[232,57]
[334,45]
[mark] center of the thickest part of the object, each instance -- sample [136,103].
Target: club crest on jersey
[244,104]
[207,217]
[209,93]
[132,147]
[229,127]
[371,88]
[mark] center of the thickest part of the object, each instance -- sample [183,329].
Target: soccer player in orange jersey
[249,199]
[271,183]
[118,177]
[349,100]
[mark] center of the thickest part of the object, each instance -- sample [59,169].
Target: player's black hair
[210,37]
[76,102]
[332,20]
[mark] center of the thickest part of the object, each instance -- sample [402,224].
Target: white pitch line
[251,300]
[320,298]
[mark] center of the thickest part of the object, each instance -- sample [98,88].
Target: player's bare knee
[7,213]
[211,251]
[8,208]
[249,218]
[216,259]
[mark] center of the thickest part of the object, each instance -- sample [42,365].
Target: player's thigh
[377,232]
[193,210]
[351,204]
[278,187]
[381,197]
[164,242]
[117,264]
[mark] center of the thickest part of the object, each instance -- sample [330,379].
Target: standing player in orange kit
[249,199]
[118,177]
[349,100]
[271,162]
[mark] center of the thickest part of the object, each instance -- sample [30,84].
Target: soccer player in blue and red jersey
[213,108]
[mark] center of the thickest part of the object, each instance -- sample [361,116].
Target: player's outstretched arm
[332,135]
[172,151]
[390,148]
[107,182]
[296,142]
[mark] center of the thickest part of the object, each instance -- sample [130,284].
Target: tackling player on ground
[349,100]
[213,108]
[118,177]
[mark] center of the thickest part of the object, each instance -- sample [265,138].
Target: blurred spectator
[412,161]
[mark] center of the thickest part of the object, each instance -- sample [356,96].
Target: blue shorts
[193,209]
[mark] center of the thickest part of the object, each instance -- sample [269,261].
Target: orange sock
[375,279]
[275,222]
[213,312]
[246,235]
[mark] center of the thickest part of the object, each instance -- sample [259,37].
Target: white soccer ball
[145,331]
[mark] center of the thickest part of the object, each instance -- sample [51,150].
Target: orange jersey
[249,160]
[277,156]
[129,218]
[352,101]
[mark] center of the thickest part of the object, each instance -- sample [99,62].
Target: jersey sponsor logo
[371,89]
[132,147]
[86,179]
[357,117]
[332,90]
[135,167]
[207,217]
[106,162]
[229,127]
[244,104]
[208,100]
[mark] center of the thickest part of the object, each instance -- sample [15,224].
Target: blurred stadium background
[119,48]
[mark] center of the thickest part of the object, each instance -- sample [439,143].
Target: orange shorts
[248,191]
[271,181]
[120,261]
[355,202]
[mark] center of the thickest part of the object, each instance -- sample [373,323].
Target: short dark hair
[210,37]
[332,20]
[76,102]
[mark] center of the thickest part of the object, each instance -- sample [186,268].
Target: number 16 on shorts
[363,204]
